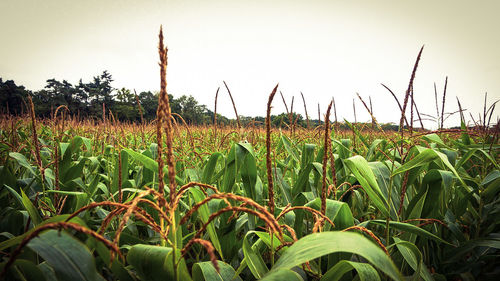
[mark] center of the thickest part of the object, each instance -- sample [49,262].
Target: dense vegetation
[88,100]
[110,200]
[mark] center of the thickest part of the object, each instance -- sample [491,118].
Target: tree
[58,93]
[190,110]
[99,92]
[149,103]
[87,99]
[124,108]
[12,97]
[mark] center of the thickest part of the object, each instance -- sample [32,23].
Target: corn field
[104,200]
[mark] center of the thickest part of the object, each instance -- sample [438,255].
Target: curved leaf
[205,271]
[248,174]
[406,227]
[16,240]
[338,212]
[366,272]
[204,213]
[30,208]
[254,261]
[209,169]
[413,257]
[26,270]
[364,174]
[70,258]
[282,274]
[427,156]
[319,244]
[154,263]
[22,161]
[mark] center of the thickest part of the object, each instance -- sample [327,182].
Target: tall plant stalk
[270,189]
[215,117]
[234,105]
[326,149]
[165,112]
[305,109]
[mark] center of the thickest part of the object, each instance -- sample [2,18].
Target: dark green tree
[87,99]
[149,103]
[12,97]
[99,92]
[125,106]
[190,110]
[58,93]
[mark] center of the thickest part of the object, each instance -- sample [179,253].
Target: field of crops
[87,200]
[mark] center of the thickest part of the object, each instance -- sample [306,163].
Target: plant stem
[389,193]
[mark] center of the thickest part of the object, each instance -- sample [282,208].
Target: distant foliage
[86,100]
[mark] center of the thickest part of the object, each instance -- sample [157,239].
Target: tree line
[88,99]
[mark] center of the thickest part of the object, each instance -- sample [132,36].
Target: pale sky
[322,48]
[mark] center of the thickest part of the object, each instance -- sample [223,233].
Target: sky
[323,49]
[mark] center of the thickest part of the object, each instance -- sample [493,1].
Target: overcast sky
[322,48]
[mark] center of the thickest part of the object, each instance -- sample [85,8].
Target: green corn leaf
[371,154]
[248,174]
[205,271]
[154,263]
[26,270]
[124,172]
[67,151]
[148,163]
[265,237]
[69,257]
[18,239]
[301,185]
[365,271]
[338,212]
[30,208]
[383,174]
[282,274]
[16,195]
[209,170]
[233,163]
[72,172]
[423,158]
[426,156]
[406,227]
[81,197]
[358,133]
[464,250]
[343,147]
[117,267]
[413,257]
[471,152]
[319,244]
[288,147]
[253,259]
[204,213]
[307,154]
[48,271]
[437,183]
[284,186]
[364,174]
[492,184]
[23,269]
[433,138]
[22,161]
